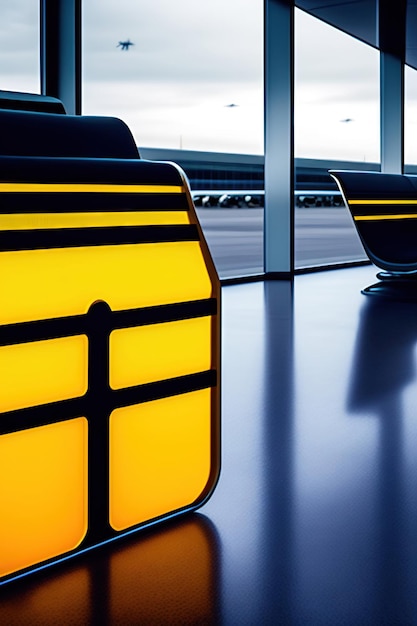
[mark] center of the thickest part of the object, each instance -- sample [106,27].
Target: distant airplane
[232,105]
[347,120]
[124,45]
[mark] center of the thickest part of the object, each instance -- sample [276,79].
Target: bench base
[394,286]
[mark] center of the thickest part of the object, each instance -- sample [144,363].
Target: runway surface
[235,237]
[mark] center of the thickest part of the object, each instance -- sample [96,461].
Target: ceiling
[360,17]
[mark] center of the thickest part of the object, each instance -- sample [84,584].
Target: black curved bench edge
[88,170]
[40,134]
[384,211]
[25,101]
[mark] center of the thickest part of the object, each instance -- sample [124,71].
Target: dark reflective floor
[314,520]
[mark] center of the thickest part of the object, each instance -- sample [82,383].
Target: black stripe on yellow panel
[41,415]
[365,209]
[164,388]
[21,419]
[165,313]
[86,202]
[40,330]
[107,236]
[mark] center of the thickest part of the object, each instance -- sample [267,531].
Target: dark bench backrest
[19,101]
[26,133]
[384,211]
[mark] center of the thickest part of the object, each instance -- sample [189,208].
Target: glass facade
[410,117]
[336,93]
[336,127]
[192,81]
[191,85]
[192,78]
[19,46]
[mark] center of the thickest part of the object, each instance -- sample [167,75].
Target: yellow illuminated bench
[109,348]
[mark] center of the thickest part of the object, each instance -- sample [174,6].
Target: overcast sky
[192,59]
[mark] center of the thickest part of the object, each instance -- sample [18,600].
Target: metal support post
[279,137]
[60,52]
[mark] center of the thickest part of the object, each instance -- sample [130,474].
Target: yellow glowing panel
[30,221]
[37,284]
[43,493]
[149,353]
[159,457]
[43,371]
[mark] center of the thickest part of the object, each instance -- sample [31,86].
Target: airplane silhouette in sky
[124,45]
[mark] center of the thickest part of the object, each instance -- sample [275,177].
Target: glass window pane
[336,127]
[188,81]
[337,94]
[410,119]
[19,46]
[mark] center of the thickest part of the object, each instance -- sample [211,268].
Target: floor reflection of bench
[384,211]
